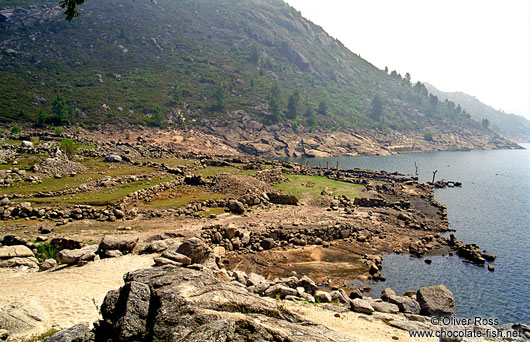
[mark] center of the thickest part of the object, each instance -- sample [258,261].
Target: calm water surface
[492,209]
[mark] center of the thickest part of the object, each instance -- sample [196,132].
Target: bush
[16,129]
[59,131]
[69,147]
[428,136]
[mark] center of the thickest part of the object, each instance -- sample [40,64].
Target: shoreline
[382,213]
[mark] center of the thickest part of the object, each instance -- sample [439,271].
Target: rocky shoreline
[190,296]
[248,237]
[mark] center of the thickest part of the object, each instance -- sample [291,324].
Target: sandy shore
[68,296]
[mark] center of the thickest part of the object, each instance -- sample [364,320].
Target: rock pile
[244,241]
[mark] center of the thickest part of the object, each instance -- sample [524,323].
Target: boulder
[322,296]
[26,144]
[436,301]
[47,264]
[236,207]
[124,244]
[267,243]
[192,305]
[385,307]
[18,318]
[387,293]
[281,290]
[181,258]
[73,256]
[195,249]
[279,198]
[362,306]
[30,262]
[19,251]
[77,333]
[405,304]
[307,284]
[113,158]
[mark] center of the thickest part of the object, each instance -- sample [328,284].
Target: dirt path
[68,296]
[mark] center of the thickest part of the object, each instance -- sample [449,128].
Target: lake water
[492,209]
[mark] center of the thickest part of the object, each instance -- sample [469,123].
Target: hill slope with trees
[194,62]
[510,125]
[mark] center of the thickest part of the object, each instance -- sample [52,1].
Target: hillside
[169,62]
[510,125]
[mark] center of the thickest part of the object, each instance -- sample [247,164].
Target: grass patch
[97,169]
[46,251]
[213,211]
[39,338]
[184,196]
[107,196]
[25,162]
[312,186]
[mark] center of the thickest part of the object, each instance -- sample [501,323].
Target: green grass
[185,195]
[312,186]
[24,162]
[95,167]
[104,197]
[46,251]
[39,338]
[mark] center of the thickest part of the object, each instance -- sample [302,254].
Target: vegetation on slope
[510,125]
[191,62]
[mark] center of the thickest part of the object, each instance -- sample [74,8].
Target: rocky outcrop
[15,256]
[77,333]
[180,304]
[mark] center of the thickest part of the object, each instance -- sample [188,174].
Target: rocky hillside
[510,125]
[194,62]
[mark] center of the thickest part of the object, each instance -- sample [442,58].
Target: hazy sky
[480,47]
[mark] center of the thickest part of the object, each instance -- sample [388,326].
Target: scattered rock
[236,207]
[436,301]
[195,249]
[362,306]
[124,244]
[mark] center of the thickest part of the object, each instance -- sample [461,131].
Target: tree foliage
[293,105]
[377,108]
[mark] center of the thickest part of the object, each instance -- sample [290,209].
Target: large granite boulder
[436,301]
[180,304]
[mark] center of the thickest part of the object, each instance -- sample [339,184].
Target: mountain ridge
[193,63]
[510,125]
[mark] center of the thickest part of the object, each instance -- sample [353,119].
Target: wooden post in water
[337,165]
[320,165]
[327,164]
[434,175]
[416,166]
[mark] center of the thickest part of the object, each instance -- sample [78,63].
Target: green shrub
[428,136]
[16,129]
[59,131]
[69,147]
[46,251]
